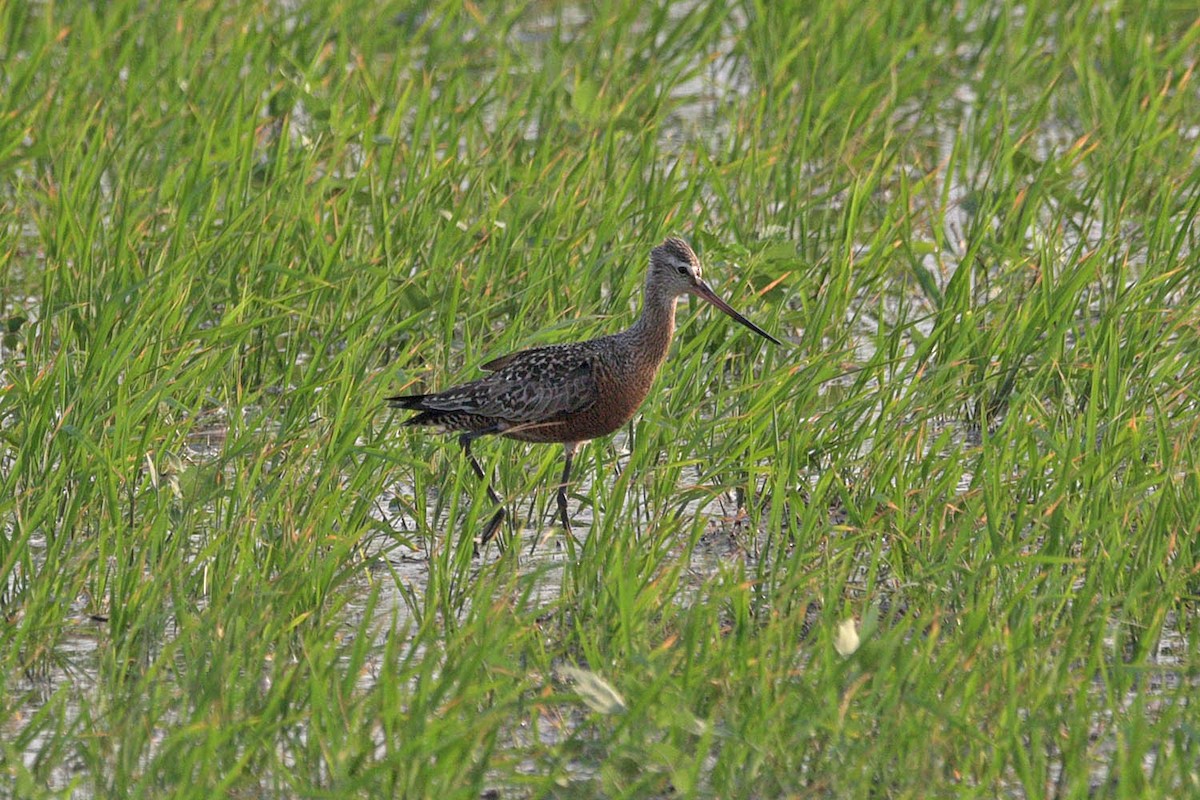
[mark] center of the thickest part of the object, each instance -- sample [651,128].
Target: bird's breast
[618,399]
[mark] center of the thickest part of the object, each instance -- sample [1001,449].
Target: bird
[574,392]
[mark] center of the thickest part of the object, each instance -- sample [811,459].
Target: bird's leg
[465,440]
[569,452]
[498,518]
[493,525]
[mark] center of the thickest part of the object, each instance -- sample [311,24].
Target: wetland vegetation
[944,543]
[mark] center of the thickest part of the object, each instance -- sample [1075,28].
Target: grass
[229,233]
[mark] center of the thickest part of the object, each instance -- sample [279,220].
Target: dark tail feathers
[415,402]
[410,401]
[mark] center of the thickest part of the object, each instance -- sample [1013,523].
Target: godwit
[570,393]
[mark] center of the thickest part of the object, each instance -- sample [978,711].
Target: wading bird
[570,393]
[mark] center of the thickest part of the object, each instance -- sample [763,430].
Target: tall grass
[228,233]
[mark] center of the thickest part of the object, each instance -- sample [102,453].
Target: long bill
[702,290]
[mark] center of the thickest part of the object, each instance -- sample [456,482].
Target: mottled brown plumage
[570,393]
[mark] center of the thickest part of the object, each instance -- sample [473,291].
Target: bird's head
[675,271]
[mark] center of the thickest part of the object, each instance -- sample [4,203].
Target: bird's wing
[535,356]
[535,385]
[504,361]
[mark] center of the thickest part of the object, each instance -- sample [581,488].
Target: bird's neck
[652,332]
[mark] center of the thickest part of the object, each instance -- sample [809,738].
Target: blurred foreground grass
[227,233]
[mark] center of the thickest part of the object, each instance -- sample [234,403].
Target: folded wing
[537,385]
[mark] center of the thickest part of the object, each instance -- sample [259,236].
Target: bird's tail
[413,402]
[416,402]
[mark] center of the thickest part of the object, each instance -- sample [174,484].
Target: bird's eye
[682,270]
